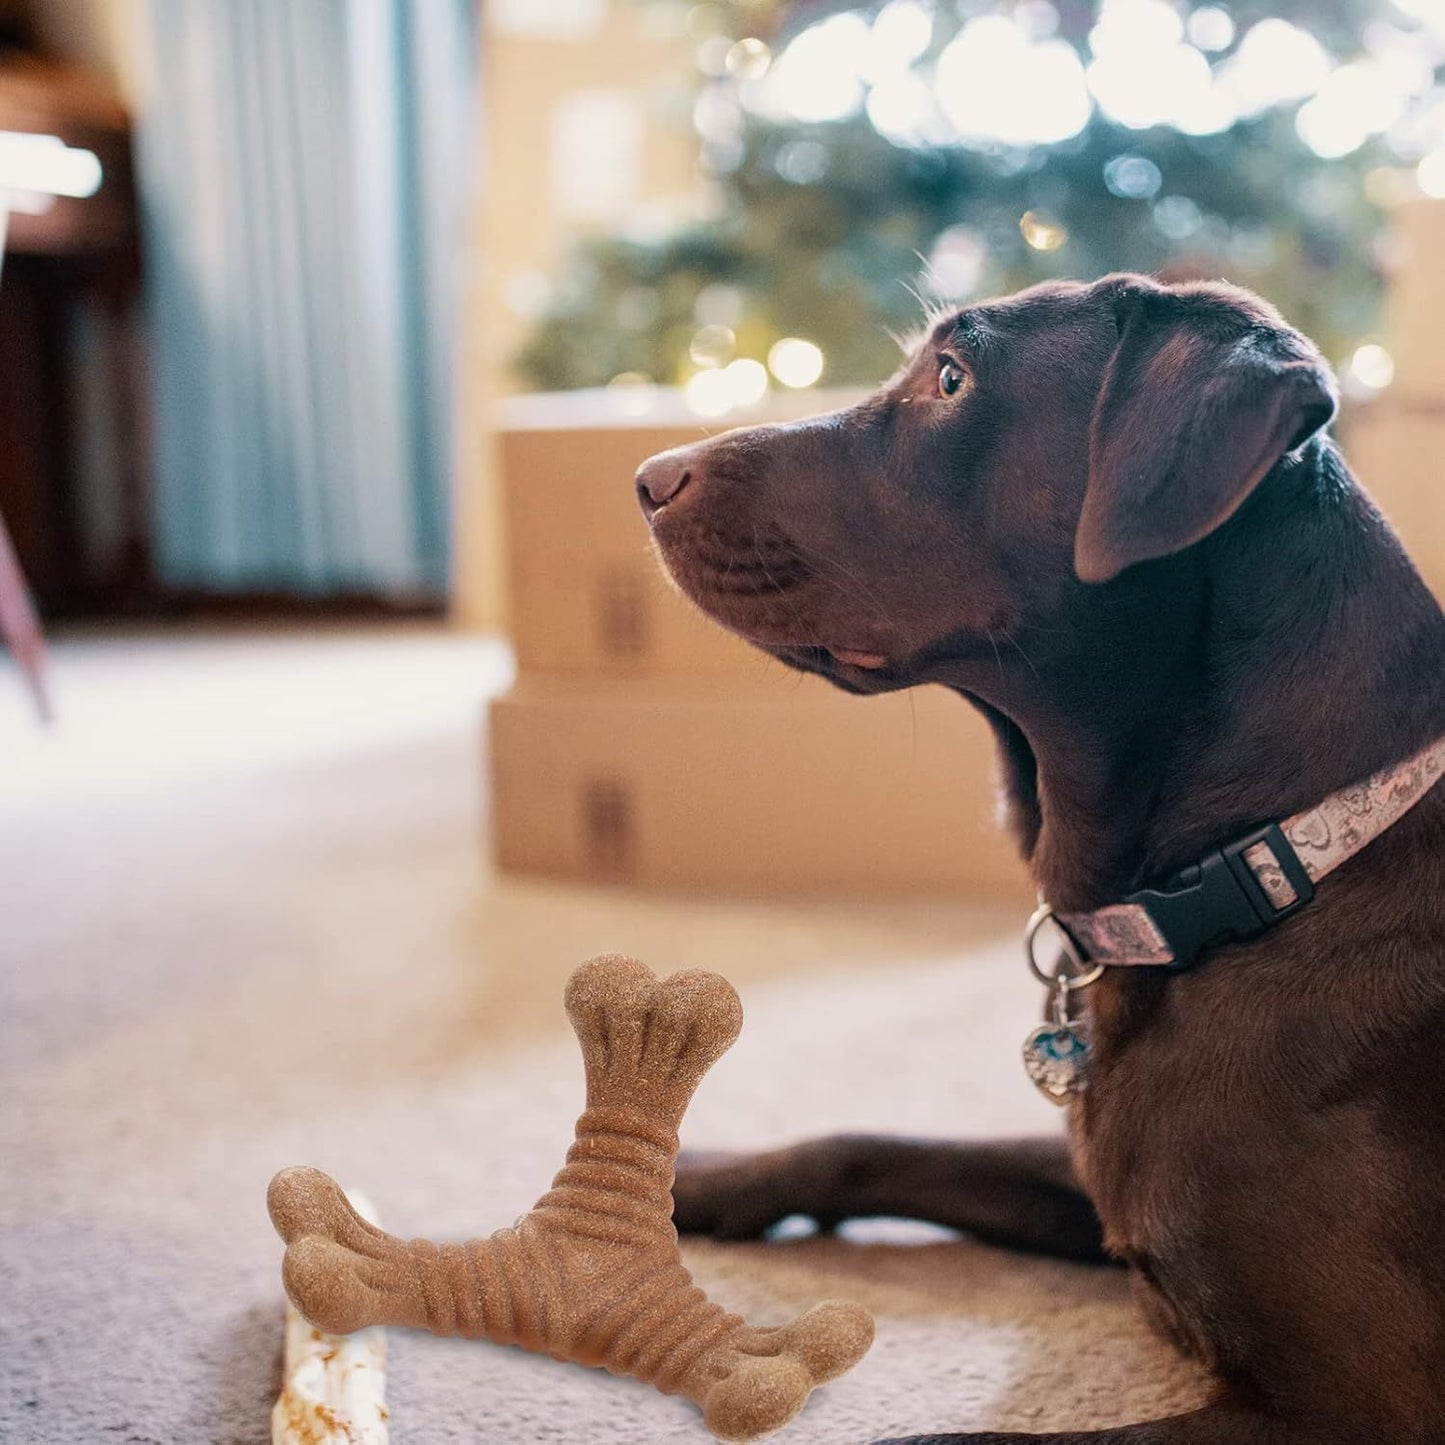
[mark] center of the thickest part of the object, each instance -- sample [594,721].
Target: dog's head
[1029,452]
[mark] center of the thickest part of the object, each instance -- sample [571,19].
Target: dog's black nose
[659,480]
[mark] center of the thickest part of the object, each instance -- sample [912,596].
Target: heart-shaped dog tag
[1056,1056]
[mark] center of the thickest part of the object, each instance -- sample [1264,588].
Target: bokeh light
[1134,178]
[708,393]
[901,36]
[795,362]
[1430,174]
[819,76]
[1177,217]
[747,381]
[955,265]
[905,110]
[1006,79]
[748,59]
[632,393]
[1355,102]
[1372,367]
[1276,63]
[1211,28]
[1011,92]
[802,162]
[1042,231]
[712,345]
[994,83]
[718,305]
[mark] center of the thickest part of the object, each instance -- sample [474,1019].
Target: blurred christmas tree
[858,153]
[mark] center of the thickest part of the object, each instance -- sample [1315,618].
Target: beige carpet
[246,921]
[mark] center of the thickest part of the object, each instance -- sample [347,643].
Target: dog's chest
[1152,1118]
[1147,1194]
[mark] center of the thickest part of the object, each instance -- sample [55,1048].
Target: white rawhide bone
[333,1387]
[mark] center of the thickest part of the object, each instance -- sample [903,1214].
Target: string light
[1177,217]
[955,265]
[1211,28]
[718,305]
[902,33]
[747,380]
[1041,231]
[1037,18]
[632,393]
[995,84]
[708,393]
[904,111]
[1276,63]
[818,77]
[1004,79]
[749,59]
[1355,102]
[802,162]
[1430,174]
[795,362]
[1144,73]
[1133,178]
[1007,82]
[713,345]
[1372,367]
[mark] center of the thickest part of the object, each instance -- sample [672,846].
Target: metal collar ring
[1074,970]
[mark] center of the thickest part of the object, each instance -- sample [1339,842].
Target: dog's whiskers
[758,552]
[998,659]
[1013,642]
[824,562]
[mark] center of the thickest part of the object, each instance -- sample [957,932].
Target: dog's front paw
[987,1437]
[935,1440]
[739,1196]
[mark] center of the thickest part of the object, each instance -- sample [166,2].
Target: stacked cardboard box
[1396,443]
[644,745]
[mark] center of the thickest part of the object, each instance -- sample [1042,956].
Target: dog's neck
[1292,653]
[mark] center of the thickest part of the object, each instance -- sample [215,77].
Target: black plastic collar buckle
[1219,899]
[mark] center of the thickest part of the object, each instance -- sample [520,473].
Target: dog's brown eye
[951,378]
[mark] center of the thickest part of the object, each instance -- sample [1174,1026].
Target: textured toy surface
[592,1274]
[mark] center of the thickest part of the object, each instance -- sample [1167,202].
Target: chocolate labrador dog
[1109,517]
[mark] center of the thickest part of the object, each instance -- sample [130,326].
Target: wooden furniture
[70,266]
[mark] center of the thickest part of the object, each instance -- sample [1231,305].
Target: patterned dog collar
[1245,886]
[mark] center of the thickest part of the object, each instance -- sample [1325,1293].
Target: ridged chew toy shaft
[592,1273]
[510,1289]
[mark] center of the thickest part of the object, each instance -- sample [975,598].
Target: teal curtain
[305,171]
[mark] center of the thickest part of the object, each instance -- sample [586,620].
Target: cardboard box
[1416,306]
[788,789]
[588,595]
[1398,453]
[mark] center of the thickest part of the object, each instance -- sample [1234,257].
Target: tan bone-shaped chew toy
[593,1273]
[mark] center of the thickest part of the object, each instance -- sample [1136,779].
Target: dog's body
[1107,516]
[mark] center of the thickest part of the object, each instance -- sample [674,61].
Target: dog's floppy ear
[1205,392]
